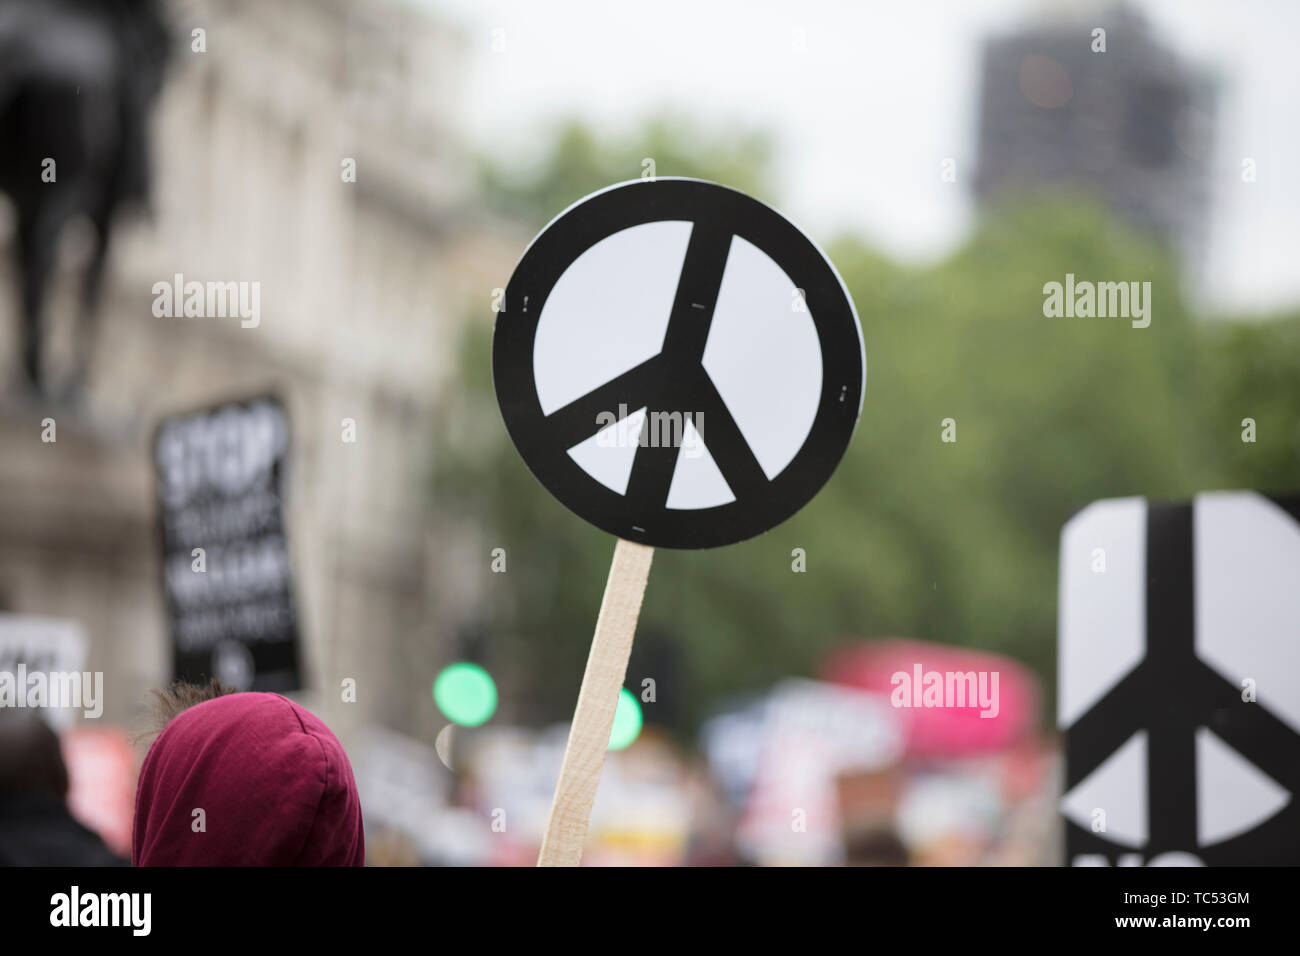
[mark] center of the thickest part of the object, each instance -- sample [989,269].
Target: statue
[77,81]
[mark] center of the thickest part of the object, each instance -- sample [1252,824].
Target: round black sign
[678,363]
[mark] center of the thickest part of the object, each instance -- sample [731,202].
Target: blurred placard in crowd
[791,748]
[404,788]
[226,574]
[998,705]
[46,646]
[101,782]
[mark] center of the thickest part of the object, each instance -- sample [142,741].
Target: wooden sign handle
[584,755]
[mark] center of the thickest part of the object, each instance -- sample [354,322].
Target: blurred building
[363,288]
[1131,123]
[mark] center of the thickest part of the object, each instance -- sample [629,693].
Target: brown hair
[180,696]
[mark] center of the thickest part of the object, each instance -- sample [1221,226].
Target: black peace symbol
[674,380]
[1170,694]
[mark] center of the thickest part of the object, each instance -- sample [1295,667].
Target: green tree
[578,163]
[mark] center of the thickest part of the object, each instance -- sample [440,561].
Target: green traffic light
[466,694]
[627,721]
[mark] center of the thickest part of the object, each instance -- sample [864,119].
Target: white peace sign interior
[609,312]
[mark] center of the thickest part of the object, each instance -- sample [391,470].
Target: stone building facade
[364,287]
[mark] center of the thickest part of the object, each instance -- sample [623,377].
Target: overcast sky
[880,95]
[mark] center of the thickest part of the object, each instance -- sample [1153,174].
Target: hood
[273,782]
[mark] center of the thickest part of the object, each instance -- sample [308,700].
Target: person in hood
[244,779]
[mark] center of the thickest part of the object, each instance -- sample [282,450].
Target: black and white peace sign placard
[678,363]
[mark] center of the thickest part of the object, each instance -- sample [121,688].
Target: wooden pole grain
[584,755]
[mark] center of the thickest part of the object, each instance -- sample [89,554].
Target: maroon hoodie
[274,785]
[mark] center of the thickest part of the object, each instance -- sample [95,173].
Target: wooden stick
[584,755]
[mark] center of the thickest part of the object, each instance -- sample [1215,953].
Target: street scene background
[378,168]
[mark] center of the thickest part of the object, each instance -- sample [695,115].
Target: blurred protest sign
[796,760]
[404,788]
[101,782]
[732,741]
[31,646]
[1180,681]
[998,703]
[682,367]
[641,816]
[226,568]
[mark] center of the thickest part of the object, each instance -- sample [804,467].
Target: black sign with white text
[225,560]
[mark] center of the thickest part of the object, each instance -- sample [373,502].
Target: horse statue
[77,81]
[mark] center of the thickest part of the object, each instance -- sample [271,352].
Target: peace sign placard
[678,364]
[681,366]
[1199,596]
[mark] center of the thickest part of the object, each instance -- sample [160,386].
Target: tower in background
[1116,114]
